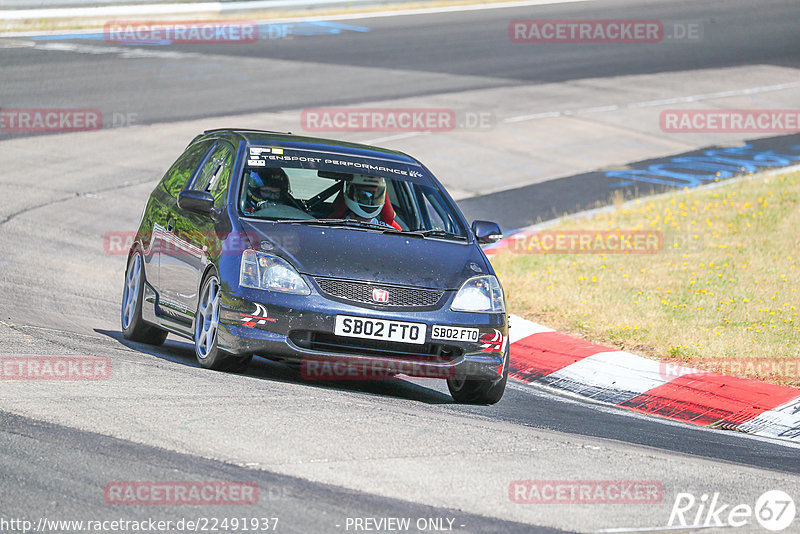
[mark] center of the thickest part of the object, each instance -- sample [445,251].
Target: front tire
[476,391]
[133,326]
[206,330]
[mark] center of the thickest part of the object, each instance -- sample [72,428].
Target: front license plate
[454,333]
[380,329]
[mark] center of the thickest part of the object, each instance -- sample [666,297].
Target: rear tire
[476,391]
[133,326]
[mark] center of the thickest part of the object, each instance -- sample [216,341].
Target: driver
[267,186]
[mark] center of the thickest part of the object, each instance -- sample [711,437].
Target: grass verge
[722,294]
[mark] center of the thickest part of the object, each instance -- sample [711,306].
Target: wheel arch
[136,246]
[202,280]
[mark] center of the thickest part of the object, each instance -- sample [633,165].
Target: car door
[162,202]
[192,235]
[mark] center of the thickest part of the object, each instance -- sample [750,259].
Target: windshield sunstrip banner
[306,159]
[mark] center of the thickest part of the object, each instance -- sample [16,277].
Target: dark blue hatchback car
[349,260]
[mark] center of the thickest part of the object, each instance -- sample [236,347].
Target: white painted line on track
[222,7]
[598,109]
[10,43]
[405,135]
[152,9]
[442,9]
[123,52]
[653,103]
[720,94]
[544,115]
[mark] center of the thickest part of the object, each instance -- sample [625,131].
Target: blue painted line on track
[266,31]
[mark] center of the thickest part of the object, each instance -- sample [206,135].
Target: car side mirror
[486,232]
[197,201]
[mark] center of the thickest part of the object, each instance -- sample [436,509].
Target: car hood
[356,254]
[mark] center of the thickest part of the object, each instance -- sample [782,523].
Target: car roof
[262,137]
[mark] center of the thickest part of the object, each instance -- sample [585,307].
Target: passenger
[365,200]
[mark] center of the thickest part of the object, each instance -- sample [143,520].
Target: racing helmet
[270,184]
[365,195]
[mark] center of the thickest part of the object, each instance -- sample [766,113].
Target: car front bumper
[300,329]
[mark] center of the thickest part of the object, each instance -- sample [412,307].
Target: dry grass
[723,290]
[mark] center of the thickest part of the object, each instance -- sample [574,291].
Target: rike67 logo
[774,510]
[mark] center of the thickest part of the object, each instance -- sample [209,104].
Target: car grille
[362,292]
[329,343]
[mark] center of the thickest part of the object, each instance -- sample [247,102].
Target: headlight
[263,271]
[480,294]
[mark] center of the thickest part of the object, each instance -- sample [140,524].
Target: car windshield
[294,185]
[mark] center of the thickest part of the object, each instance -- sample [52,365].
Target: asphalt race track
[397,57]
[321,453]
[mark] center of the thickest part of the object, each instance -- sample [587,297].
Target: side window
[437,222]
[437,213]
[215,175]
[178,175]
[405,207]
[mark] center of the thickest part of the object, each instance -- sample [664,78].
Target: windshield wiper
[355,223]
[343,222]
[440,233]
